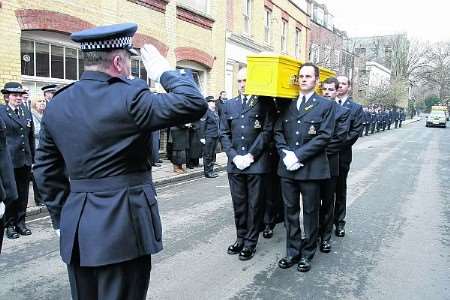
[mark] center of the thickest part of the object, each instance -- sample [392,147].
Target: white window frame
[192,4]
[284,35]
[267,26]
[298,42]
[247,13]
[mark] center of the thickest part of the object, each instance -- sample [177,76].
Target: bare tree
[437,73]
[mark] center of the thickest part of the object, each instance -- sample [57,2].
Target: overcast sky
[425,20]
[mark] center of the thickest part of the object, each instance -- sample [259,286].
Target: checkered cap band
[117,43]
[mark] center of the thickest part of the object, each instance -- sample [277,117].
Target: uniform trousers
[126,280]
[301,235]
[273,202]
[396,123]
[247,193]
[367,128]
[341,197]
[15,214]
[400,123]
[2,232]
[326,218]
[209,154]
[372,127]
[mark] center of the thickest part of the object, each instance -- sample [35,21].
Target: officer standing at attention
[49,91]
[328,186]
[209,137]
[345,155]
[246,131]
[20,142]
[107,213]
[8,190]
[302,132]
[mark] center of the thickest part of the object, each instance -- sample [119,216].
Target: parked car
[436,118]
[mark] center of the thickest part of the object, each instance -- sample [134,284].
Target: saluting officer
[302,133]
[209,136]
[328,186]
[107,213]
[245,133]
[345,155]
[20,142]
[8,190]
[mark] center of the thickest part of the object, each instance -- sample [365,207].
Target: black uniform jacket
[339,136]
[19,135]
[210,125]
[92,164]
[355,128]
[247,129]
[306,132]
[8,190]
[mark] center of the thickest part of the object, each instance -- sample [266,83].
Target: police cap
[13,87]
[104,38]
[49,88]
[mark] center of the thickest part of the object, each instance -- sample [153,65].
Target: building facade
[255,26]
[190,33]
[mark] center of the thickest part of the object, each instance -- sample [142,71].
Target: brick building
[254,26]
[38,51]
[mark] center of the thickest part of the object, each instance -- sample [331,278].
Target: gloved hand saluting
[155,64]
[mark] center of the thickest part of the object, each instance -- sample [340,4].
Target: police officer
[368,120]
[20,143]
[396,116]
[209,136]
[107,214]
[373,118]
[302,133]
[328,186]
[246,130]
[389,118]
[49,91]
[345,155]
[8,190]
[402,117]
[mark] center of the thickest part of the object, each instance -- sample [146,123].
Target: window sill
[158,5]
[195,17]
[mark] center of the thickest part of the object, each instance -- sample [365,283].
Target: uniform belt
[110,183]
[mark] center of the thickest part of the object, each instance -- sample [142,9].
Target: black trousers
[341,197]
[400,123]
[326,216]
[389,126]
[125,280]
[301,236]
[15,214]
[209,154]
[367,128]
[2,232]
[37,195]
[273,205]
[396,123]
[247,193]
[372,128]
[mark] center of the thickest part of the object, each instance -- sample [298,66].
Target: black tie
[17,112]
[340,101]
[302,104]
[244,101]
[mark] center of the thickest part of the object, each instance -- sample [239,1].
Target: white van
[436,118]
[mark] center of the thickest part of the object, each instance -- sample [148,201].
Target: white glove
[239,161]
[155,64]
[58,232]
[248,159]
[2,209]
[295,167]
[203,141]
[290,160]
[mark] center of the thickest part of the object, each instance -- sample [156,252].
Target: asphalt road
[397,244]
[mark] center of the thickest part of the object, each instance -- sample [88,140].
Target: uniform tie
[302,104]
[340,101]
[244,101]
[17,112]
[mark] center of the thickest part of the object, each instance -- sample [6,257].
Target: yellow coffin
[276,75]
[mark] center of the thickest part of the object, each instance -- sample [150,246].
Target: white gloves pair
[243,161]
[291,161]
[2,209]
[155,64]
[203,141]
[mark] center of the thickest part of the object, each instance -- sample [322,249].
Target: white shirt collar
[343,99]
[307,96]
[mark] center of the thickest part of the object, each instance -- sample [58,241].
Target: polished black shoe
[268,232]
[325,247]
[287,262]
[11,233]
[211,175]
[304,265]
[340,232]
[247,253]
[236,248]
[156,165]
[22,230]
[159,161]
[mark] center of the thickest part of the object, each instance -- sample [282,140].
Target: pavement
[397,242]
[162,175]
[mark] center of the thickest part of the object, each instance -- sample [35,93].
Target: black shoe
[156,165]
[11,233]
[236,248]
[247,253]
[325,247]
[287,262]
[268,232]
[211,175]
[340,232]
[304,265]
[159,161]
[22,230]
